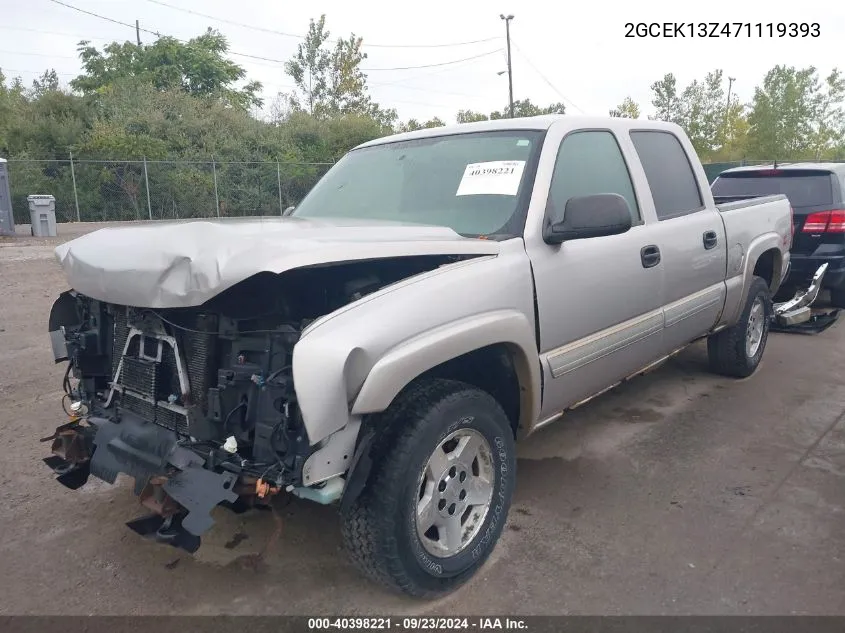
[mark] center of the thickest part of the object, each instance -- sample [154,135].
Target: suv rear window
[804,189]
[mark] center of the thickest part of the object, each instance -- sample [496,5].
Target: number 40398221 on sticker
[498,177]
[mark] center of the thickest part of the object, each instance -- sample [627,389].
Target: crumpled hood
[186,263]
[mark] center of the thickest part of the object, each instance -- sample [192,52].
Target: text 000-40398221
[722,29]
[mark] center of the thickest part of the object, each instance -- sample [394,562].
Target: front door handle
[710,239]
[650,256]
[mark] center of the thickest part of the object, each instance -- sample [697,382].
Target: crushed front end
[196,405]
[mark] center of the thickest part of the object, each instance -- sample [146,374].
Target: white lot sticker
[497,177]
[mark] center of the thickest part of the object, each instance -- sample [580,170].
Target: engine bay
[198,405]
[219,375]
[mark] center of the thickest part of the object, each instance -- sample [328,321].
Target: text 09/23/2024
[722,29]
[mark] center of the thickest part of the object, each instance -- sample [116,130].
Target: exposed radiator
[155,382]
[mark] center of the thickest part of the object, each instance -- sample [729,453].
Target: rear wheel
[738,350]
[439,493]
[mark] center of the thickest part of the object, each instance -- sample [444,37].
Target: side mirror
[288,211]
[590,216]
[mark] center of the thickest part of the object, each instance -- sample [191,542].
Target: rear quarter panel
[753,227]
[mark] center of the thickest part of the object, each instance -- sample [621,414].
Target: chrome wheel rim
[756,325]
[454,493]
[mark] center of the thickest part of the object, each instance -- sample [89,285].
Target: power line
[423,103]
[102,17]
[456,61]
[36,72]
[225,21]
[444,92]
[156,33]
[259,57]
[543,77]
[38,54]
[301,37]
[103,39]
[65,34]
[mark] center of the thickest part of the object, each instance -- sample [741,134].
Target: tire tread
[368,525]
[726,349]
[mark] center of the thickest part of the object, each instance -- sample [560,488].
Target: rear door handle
[650,256]
[710,239]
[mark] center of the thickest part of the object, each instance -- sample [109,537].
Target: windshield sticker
[498,177]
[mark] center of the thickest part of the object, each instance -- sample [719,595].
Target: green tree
[47,82]
[665,99]
[413,124]
[702,113]
[521,108]
[330,82]
[12,101]
[524,108]
[198,67]
[733,134]
[783,114]
[829,118]
[628,109]
[469,116]
[309,68]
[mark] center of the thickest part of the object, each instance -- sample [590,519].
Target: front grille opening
[152,386]
[149,347]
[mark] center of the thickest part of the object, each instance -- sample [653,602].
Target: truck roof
[837,168]
[542,122]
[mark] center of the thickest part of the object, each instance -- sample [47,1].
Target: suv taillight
[837,222]
[825,222]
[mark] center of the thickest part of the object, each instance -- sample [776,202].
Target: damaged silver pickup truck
[436,296]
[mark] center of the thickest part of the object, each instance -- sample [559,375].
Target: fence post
[279,178]
[147,181]
[216,196]
[75,196]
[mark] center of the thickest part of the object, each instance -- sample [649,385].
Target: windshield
[803,189]
[474,183]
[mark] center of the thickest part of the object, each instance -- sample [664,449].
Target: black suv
[815,191]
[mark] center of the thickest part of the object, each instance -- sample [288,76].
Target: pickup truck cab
[816,192]
[437,296]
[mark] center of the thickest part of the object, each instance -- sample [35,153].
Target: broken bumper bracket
[170,479]
[798,310]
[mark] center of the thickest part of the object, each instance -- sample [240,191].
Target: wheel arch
[769,267]
[763,255]
[495,352]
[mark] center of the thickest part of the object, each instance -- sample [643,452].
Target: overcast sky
[571,52]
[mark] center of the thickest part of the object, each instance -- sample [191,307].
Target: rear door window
[802,188]
[670,176]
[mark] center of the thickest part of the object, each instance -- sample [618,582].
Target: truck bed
[732,203]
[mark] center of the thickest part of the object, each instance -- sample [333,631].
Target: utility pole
[507,20]
[138,32]
[731,81]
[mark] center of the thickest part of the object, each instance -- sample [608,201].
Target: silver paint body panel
[601,316]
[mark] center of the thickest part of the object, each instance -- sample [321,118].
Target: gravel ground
[678,493]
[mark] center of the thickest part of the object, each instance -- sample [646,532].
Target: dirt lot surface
[678,493]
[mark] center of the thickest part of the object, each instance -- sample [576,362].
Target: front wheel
[738,350]
[438,496]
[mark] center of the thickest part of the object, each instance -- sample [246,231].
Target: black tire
[727,349]
[837,297]
[380,527]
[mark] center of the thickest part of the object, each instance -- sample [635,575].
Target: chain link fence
[105,191]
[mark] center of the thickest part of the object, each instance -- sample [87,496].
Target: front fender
[405,362]
[359,357]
